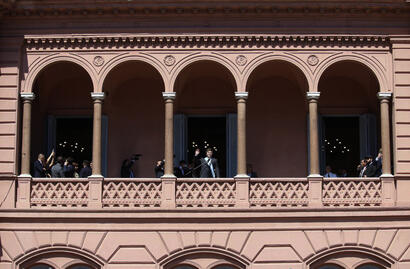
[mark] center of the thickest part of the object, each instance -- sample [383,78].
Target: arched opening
[277,120]
[58,258]
[204,259]
[62,113]
[135,110]
[205,110]
[349,121]
[342,259]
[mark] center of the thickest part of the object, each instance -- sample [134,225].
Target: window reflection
[41,266]
[369,266]
[330,266]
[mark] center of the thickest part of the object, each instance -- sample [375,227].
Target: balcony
[204,193]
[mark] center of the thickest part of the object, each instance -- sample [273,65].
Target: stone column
[24,179]
[241,110]
[313,98]
[384,98]
[168,180]
[169,133]
[314,178]
[27,98]
[98,98]
[388,186]
[241,178]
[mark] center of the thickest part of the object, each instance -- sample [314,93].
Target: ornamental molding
[88,8]
[126,41]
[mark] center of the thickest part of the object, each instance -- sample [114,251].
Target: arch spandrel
[39,64]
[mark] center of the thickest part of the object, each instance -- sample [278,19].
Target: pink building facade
[280,90]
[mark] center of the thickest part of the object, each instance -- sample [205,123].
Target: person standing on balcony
[57,169]
[39,166]
[329,172]
[209,165]
[69,168]
[86,170]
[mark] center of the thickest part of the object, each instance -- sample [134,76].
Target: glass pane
[369,266]
[80,266]
[224,267]
[184,267]
[330,266]
[41,266]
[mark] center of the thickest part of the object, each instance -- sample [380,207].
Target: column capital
[241,95]
[312,95]
[27,96]
[169,95]
[384,95]
[97,96]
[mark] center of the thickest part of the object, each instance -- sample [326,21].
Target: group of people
[201,166]
[60,167]
[368,167]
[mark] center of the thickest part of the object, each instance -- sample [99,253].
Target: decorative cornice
[203,41]
[15,8]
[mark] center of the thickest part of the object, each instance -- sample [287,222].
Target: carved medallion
[313,60]
[169,60]
[241,60]
[98,61]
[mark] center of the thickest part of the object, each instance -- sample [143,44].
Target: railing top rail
[205,179]
[56,180]
[351,179]
[290,179]
[132,179]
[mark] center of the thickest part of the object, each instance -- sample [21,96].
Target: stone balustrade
[220,193]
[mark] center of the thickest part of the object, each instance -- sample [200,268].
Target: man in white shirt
[329,173]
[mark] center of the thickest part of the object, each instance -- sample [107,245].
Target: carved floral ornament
[241,60]
[312,60]
[98,61]
[169,60]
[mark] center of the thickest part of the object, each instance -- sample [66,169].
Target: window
[184,267]
[224,267]
[369,266]
[330,266]
[80,266]
[41,266]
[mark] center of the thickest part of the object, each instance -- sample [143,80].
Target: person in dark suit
[86,170]
[57,169]
[68,168]
[367,170]
[39,167]
[182,170]
[209,166]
